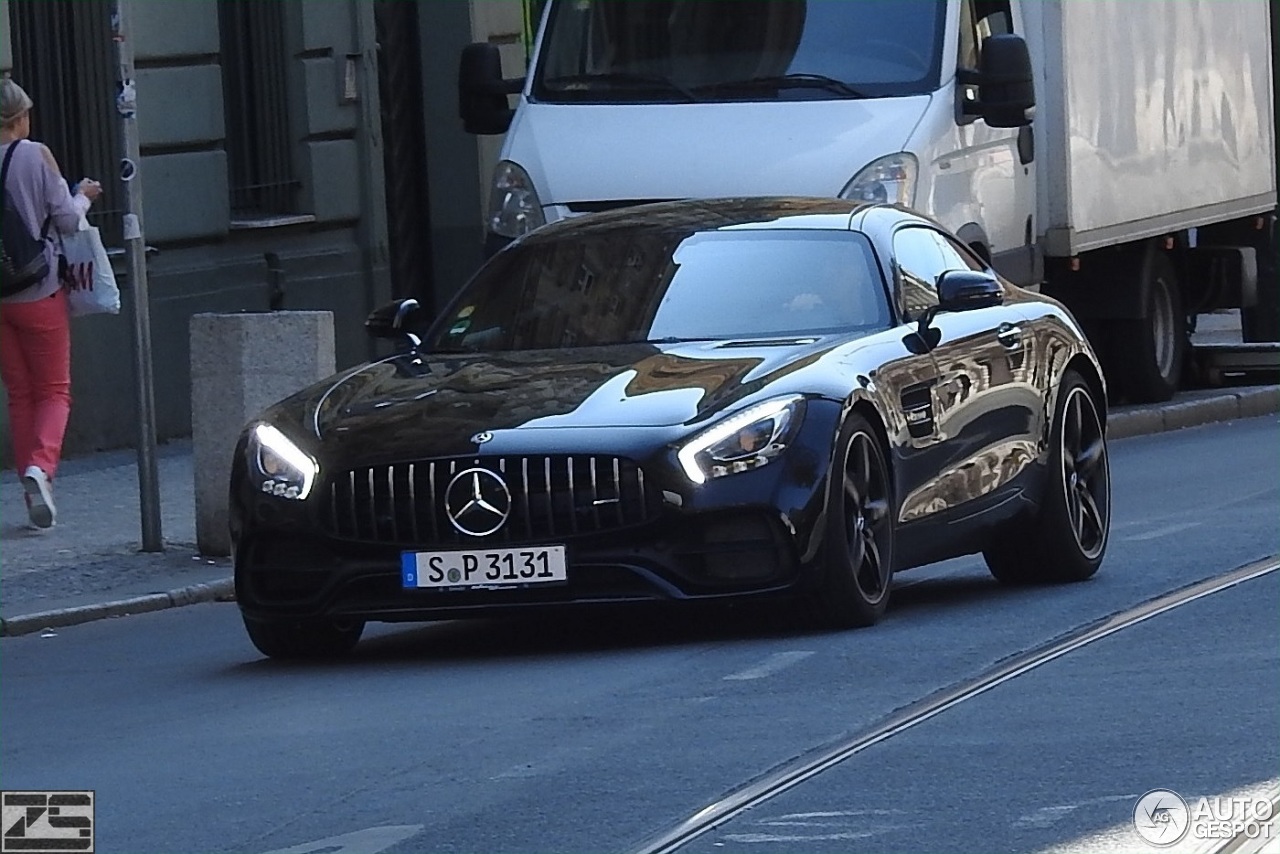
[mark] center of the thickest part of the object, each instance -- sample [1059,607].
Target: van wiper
[796,80]
[621,79]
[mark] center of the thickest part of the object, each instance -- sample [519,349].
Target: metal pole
[136,253]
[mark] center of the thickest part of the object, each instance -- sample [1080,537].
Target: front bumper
[720,555]
[339,554]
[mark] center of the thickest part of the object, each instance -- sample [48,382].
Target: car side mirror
[482,91]
[958,290]
[1006,85]
[964,290]
[390,321]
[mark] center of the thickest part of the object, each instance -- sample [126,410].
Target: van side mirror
[1006,86]
[482,91]
[390,320]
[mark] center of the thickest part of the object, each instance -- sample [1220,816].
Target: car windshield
[633,285]
[610,51]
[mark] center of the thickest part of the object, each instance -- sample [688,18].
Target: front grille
[551,497]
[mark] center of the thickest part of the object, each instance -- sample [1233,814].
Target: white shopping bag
[87,274]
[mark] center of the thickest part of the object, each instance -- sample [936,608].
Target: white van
[1153,131]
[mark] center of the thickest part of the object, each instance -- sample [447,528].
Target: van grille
[551,497]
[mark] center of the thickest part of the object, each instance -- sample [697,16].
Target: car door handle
[1010,336]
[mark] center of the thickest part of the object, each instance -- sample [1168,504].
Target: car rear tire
[856,559]
[303,640]
[1067,538]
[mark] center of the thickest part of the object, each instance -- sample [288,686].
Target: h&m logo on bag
[78,276]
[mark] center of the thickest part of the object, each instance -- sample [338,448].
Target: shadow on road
[598,629]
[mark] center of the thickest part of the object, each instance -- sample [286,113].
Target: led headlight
[284,468]
[890,179]
[514,208]
[748,440]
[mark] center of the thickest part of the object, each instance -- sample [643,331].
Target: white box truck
[1118,153]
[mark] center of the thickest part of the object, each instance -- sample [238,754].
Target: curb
[1122,423]
[60,618]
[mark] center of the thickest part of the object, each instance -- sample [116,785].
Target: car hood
[666,151]
[441,401]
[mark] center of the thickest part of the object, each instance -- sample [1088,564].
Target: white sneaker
[40,506]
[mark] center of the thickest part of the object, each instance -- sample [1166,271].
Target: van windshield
[677,51]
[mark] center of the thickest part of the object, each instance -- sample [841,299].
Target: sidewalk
[89,566]
[90,563]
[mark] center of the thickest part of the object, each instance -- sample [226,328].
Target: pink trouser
[35,364]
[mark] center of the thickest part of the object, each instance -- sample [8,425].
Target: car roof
[783,212]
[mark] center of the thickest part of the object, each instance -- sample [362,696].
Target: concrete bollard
[241,364]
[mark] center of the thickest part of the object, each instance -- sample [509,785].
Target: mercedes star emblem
[482,437]
[477,502]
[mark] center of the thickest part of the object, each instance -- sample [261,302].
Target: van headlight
[283,469]
[514,209]
[890,179]
[748,440]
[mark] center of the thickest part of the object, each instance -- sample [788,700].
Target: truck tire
[1261,323]
[1149,351]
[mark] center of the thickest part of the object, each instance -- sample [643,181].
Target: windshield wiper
[796,80]
[635,82]
[671,339]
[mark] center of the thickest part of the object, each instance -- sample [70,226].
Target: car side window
[922,256]
[955,257]
[919,262]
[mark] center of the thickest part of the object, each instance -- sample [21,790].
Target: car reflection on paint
[788,398]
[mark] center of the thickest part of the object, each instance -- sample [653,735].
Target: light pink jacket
[38,190]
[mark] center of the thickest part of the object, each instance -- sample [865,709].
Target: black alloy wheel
[1067,538]
[1086,479]
[305,640]
[856,562]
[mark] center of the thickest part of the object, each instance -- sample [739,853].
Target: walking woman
[35,329]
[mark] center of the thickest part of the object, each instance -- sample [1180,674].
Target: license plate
[484,568]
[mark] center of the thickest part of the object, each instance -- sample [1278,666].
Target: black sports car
[687,400]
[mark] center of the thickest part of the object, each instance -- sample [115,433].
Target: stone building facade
[297,154]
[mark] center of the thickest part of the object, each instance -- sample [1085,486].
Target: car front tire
[855,564]
[1067,538]
[303,640]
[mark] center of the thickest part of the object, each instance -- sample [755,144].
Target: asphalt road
[593,733]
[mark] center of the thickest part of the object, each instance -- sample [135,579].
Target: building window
[64,57]
[255,92]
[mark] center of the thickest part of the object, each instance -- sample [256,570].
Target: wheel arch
[873,416]
[1088,371]
[868,410]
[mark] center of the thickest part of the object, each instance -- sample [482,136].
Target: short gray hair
[14,102]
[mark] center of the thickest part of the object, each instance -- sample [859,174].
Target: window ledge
[277,221]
